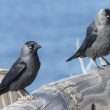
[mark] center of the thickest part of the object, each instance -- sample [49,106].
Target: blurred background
[55,24]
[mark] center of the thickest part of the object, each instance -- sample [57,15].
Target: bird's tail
[3,89]
[76,55]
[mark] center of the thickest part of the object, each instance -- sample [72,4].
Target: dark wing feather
[89,40]
[16,70]
[90,37]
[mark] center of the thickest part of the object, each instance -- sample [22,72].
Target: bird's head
[30,47]
[103,16]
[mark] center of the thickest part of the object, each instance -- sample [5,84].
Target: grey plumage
[97,41]
[24,70]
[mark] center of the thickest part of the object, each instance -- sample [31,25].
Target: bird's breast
[104,32]
[32,67]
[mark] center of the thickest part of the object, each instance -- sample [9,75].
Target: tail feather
[3,91]
[76,55]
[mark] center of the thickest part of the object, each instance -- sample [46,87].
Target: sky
[55,25]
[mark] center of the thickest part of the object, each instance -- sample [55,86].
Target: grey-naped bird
[97,41]
[24,70]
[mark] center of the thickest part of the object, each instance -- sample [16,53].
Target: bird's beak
[39,46]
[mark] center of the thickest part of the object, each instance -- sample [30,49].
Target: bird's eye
[30,47]
[107,16]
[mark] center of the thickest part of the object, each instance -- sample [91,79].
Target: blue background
[55,24]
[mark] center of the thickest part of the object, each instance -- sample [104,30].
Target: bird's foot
[28,97]
[104,65]
[107,64]
[100,67]
[22,98]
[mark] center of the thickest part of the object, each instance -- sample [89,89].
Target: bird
[24,70]
[97,41]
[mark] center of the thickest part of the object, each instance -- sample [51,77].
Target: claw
[28,97]
[100,67]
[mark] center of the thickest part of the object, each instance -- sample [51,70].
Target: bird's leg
[27,95]
[94,59]
[25,92]
[21,95]
[105,60]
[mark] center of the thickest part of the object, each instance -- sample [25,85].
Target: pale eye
[30,47]
[107,16]
[34,48]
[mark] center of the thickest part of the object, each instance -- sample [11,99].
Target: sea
[55,24]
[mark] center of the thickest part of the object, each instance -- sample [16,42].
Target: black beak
[39,46]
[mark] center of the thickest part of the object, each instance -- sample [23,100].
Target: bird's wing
[16,70]
[89,40]
[90,37]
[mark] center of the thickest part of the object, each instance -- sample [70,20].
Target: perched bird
[23,71]
[97,41]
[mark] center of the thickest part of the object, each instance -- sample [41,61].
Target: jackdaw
[24,70]
[97,41]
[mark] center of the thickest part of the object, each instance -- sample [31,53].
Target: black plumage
[89,40]
[97,41]
[23,71]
